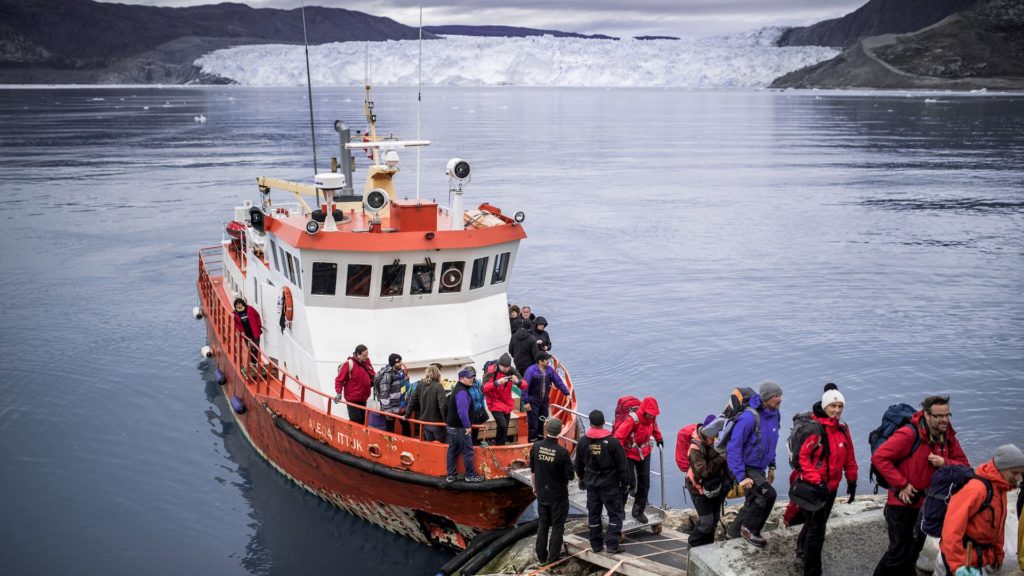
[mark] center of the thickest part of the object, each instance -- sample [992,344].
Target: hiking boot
[451,478]
[754,539]
[617,549]
[474,478]
[597,549]
[641,517]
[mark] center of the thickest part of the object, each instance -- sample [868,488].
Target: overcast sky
[693,18]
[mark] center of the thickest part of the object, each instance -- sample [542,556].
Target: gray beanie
[1008,456]
[553,426]
[770,390]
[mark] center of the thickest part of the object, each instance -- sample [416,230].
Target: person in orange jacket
[968,521]
[635,433]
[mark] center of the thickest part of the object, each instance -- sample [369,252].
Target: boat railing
[270,380]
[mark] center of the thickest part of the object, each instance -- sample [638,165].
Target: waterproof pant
[435,434]
[812,537]
[756,507]
[709,512]
[550,518]
[357,415]
[905,542]
[460,443]
[611,500]
[538,411]
[640,476]
[500,427]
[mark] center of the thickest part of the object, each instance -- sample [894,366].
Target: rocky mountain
[506,32]
[874,18]
[81,41]
[982,47]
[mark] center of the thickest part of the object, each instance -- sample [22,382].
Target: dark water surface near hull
[681,243]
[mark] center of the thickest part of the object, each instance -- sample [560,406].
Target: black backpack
[946,482]
[895,417]
[804,426]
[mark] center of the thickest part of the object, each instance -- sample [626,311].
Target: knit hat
[596,418]
[831,397]
[467,372]
[1008,456]
[543,356]
[505,360]
[553,426]
[394,358]
[770,390]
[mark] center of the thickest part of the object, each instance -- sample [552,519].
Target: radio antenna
[419,100]
[309,89]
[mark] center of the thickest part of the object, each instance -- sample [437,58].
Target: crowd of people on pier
[915,455]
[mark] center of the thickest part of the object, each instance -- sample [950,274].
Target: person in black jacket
[601,468]
[515,321]
[430,404]
[540,333]
[523,348]
[551,470]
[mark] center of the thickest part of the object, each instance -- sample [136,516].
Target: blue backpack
[947,481]
[895,417]
[478,412]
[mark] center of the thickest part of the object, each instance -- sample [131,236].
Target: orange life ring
[288,307]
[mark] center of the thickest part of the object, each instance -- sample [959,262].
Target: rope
[486,446]
[553,564]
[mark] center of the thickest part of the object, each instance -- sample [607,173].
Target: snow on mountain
[735,61]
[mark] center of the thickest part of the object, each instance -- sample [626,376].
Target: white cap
[831,397]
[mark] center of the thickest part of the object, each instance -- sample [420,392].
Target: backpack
[490,367]
[684,440]
[626,407]
[947,481]
[478,413]
[739,402]
[895,417]
[804,426]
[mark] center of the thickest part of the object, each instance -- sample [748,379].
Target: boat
[396,274]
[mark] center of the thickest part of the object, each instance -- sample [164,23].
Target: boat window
[500,267]
[358,283]
[273,252]
[422,278]
[291,267]
[479,273]
[392,280]
[298,271]
[280,252]
[325,278]
[451,277]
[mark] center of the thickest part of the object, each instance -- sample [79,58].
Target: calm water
[681,243]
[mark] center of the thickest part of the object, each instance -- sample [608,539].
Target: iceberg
[745,60]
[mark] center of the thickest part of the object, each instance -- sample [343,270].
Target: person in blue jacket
[750,455]
[539,378]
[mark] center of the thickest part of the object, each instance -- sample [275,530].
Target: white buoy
[206,351]
[197,312]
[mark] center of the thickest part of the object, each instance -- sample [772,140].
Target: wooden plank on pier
[646,554]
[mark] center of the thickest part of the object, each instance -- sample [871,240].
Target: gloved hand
[624,488]
[337,399]
[851,489]
[401,411]
[582,485]
[967,571]
[661,443]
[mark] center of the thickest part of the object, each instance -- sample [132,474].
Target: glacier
[745,60]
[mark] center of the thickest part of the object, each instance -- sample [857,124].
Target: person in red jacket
[967,521]
[635,433]
[353,383]
[821,467]
[498,394]
[248,322]
[909,473]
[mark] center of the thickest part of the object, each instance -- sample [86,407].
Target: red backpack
[626,407]
[684,439]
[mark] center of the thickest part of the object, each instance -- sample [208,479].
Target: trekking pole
[661,475]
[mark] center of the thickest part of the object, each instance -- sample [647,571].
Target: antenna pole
[309,87]
[419,100]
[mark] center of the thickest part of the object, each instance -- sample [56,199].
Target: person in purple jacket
[751,450]
[538,379]
[460,426]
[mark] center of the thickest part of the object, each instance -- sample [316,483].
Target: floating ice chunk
[930,100]
[199,119]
